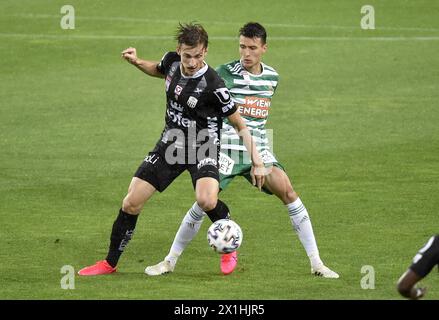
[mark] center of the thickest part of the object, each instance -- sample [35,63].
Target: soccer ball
[224,236]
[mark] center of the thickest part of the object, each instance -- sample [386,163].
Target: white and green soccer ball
[224,236]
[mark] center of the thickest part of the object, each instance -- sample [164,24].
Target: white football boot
[160,268]
[324,271]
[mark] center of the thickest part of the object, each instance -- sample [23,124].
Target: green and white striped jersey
[252,96]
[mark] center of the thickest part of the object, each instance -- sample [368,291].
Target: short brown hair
[191,34]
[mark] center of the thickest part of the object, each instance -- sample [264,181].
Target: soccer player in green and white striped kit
[252,85]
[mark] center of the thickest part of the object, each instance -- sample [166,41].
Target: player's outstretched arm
[406,286]
[149,67]
[258,170]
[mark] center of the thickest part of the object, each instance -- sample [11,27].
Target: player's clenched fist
[130,55]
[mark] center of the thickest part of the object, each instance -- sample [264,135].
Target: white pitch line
[70,36]
[356,38]
[170,21]
[78,17]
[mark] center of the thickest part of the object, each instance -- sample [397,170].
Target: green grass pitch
[355,120]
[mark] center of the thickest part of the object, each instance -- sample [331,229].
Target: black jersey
[427,257]
[193,104]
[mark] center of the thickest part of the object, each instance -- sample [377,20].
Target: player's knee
[291,196]
[288,195]
[403,288]
[207,203]
[131,206]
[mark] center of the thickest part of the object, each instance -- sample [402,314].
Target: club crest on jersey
[246,78]
[178,90]
[192,102]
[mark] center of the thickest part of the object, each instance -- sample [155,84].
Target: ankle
[315,260]
[172,257]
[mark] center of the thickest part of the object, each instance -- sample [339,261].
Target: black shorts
[427,257]
[158,172]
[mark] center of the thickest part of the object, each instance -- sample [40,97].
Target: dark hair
[254,30]
[191,34]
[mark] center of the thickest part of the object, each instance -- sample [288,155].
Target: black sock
[221,211]
[123,229]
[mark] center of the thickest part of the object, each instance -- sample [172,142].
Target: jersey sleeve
[427,257]
[223,100]
[223,72]
[167,60]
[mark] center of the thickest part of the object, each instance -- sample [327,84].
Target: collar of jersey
[197,74]
[254,75]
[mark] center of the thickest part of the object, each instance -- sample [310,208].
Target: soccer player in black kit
[423,262]
[196,101]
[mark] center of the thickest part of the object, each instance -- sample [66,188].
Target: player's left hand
[258,175]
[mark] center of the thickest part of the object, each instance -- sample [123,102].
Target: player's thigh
[205,178]
[139,192]
[278,183]
[206,192]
